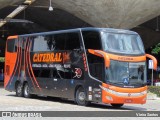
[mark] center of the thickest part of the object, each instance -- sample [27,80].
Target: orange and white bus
[86,65]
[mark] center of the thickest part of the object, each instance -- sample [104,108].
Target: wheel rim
[81,96]
[19,89]
[26,90]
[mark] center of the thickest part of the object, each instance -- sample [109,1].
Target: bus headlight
[108,90]
[109,98]
[144,92]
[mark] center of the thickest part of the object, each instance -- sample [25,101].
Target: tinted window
[55,74]
[59,41]
[63,41]
[96,66]
[60,74]
[122,43]
[68,74]
[45,73]
[91,40]
[10,45]
[72,41]
[40,44]
[36,73]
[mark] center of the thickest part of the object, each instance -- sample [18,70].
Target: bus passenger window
[68,74]
[60,74]
[45,73]
[54,74]
[10,45]
[92,40]
[36,73]
[72,41]
[40,44]
[96,67]
[50,42]
[59,41]
[57,74]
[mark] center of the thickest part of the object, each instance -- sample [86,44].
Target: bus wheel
[117,105]
[81,97]
[26,91]
[19,90]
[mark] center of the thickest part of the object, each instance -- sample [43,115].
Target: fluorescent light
[50,6]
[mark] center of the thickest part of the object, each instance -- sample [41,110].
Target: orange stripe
[20,60]
[15,63]
[101,53]
[7,78]
[127,58]
[125,90]
[12,37]
[31,67]
[11,59]
[24,58]
[27,49]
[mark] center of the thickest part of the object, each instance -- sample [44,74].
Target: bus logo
[129,94]
[47,57]
[78,73]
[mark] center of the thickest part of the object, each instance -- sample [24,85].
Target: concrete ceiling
[4,3]
[112,13]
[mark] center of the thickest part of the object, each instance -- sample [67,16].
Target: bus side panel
[27,71]
[82,78]
[11,64]
[77,74]
[93,90]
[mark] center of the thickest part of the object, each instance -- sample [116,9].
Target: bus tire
[81,97]
[117,105]
[19,89]
[26,91]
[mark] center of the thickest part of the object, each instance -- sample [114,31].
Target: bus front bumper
[124,97]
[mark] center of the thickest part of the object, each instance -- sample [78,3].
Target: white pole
[152,78]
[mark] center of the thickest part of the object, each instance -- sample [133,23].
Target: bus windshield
[122,43]
[126,73]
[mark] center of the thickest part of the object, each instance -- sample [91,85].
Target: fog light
[109,98]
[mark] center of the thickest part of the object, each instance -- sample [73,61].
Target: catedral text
[47,57]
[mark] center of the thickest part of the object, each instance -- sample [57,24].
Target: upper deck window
[122,43]
[10,45]
[92,40]
[61,41]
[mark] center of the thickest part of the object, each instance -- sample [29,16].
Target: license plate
[128,101]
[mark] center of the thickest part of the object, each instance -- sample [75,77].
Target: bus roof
[82,29]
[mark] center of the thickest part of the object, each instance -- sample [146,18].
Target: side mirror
[101,54]
[154,61]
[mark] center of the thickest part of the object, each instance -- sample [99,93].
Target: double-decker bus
[85,65]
